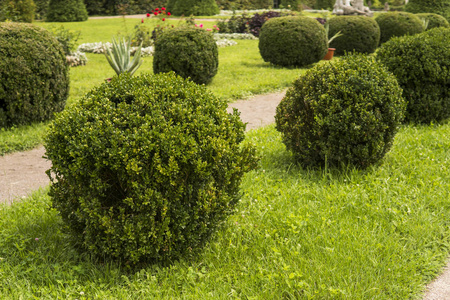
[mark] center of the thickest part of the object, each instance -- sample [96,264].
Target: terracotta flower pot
[330,54]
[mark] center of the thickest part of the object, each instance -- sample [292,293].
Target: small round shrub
[346,112]
[193,7]
[34,75]
[421,64]
[441,7]
[398,24]
[292,41]
[189,52]
[17,10]
[359,33]
[145,168]
[66,11]
[434,20]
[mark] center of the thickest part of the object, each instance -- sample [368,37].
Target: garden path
[24,172]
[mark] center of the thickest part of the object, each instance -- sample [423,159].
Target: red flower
[156,9]
[163,19]
[155,13]
[142,21]
[163,8]
[168,13]
[148,15]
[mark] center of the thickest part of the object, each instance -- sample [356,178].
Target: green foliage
[398,24]
[34,75]
[359,33]
[421,64]
[188,51]
[66,11]
[66,37]
[119,7]
[119,56]
[17,10]
[345,112]
[325,4]
[434,20]
[440,7]
[145,168]
[142,35]
[193,7]
[244,4]
[292,41]
[291,4]
[41,9]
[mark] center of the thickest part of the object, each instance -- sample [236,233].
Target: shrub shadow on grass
[281,162]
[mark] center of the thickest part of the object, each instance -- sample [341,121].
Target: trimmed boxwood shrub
[189,52]
[421,64]
[398,24]
[345,112]
[441,7]
[34,75]
[17,10]
[193,7]
[66,11]
[145,168]
[434,20]
[360,34]
[292,41]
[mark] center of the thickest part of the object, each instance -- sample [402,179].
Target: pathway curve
[24,172]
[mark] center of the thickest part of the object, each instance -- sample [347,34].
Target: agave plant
[119,56]
[327,29]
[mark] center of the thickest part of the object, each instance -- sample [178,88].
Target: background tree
[66,11]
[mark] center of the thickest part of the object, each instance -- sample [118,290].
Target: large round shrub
[398,24]
[17,10]
[441,7]
[145,168]
[292,41]
[434,20]
[193,7]
[359,33]
[421,64]
[34,75]
[346,112]
[189,52]
[66,11]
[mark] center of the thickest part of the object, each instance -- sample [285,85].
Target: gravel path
[24,172]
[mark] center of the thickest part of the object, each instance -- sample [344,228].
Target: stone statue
[351,7]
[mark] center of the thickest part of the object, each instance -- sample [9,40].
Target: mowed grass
[242,73]
[380,233]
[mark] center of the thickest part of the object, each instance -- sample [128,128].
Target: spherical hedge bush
[34,75]
[359,33]
[292,41]
[66,11]
[346,112]
[188,51]
[421,64]
[441,7]
[434,20]
[145,168]
[398,24]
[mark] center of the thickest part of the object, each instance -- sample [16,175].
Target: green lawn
[381,233]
